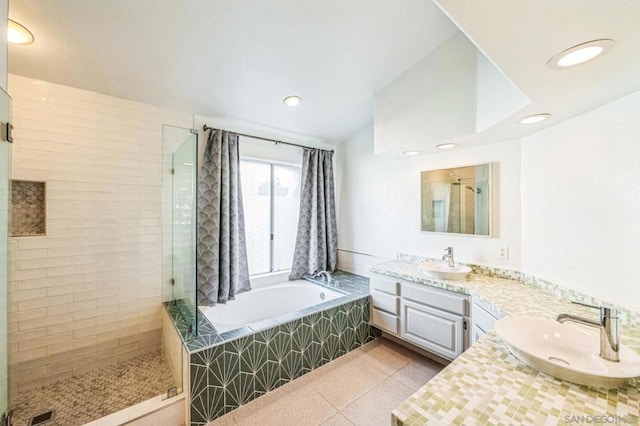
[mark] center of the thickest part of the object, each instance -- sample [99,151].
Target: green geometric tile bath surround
[233,373]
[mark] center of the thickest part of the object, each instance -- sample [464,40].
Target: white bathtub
[267,301]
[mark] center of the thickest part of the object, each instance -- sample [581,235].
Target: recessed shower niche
[28,216]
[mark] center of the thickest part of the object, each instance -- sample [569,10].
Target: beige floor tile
[374,408]
[337,420]
[304,406]
[347,383]
[386,355]
[417,372]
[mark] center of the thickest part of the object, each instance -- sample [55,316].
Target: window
[271,198]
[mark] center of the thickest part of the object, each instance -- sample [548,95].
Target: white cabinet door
[476,333]
[482,321]
[437,331]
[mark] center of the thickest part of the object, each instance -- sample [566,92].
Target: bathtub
[267,301]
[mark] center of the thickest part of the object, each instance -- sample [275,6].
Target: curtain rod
[205,128]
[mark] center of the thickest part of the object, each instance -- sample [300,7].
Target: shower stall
[122,389]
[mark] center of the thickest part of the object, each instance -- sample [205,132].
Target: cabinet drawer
[385,285]
[384,321]
[441,299]
[437,331]
[481,318]
[385,302]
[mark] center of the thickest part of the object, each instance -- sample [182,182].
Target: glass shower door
[5,187]
[180,186]
[184,221]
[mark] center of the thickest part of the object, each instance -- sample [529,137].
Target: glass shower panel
[5,179]
[185,168]
[180,183]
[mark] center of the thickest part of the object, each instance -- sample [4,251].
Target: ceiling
[233,58]
[521,36]
[237,59]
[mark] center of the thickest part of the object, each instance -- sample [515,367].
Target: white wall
[88,294]
[581,201]
[380,202]
[496,96]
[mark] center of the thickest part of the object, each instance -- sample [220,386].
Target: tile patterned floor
[359,388]
[81,399]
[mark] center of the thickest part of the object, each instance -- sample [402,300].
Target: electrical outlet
[503,252]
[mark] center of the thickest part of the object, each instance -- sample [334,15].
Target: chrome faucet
[449,257]
[608,325]
[325,274]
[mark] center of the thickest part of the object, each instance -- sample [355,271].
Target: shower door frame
[5,162]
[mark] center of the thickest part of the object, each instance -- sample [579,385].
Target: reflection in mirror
[457,200]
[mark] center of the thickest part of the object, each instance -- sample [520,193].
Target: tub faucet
[608,326]
[449,257]
[326,274]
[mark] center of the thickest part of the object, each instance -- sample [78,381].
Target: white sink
[443,271]
[566,351]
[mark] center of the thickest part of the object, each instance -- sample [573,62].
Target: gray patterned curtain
[222,250]
[317,240]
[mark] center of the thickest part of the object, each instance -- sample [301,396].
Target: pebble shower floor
[90,396]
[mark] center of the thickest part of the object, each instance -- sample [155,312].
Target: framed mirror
[457,201]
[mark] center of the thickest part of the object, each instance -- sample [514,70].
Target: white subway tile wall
[88,294]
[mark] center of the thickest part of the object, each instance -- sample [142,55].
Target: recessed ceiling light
[292,101]
[534,118]
[581,53]
[446,145]
[412,152]
[18,34]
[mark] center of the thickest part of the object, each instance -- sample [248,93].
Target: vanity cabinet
[430,318]
[482,319]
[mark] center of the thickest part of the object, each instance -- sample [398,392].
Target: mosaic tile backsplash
[27,208]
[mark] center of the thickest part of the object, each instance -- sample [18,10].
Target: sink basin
[566,351]
[444,272]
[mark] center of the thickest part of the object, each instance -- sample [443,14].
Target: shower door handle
[6,133]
